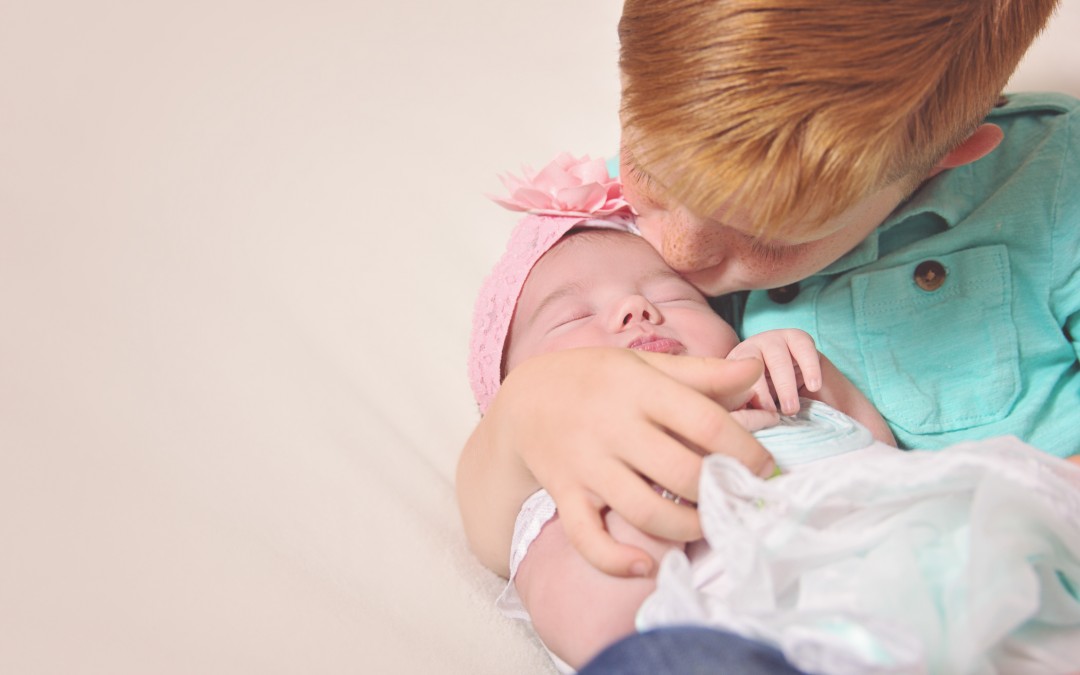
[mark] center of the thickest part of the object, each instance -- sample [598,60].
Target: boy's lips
[655,343]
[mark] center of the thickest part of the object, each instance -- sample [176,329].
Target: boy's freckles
[686,247]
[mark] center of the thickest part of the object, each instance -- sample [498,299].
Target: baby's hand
[791,361]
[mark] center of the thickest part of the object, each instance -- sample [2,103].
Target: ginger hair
[793,110]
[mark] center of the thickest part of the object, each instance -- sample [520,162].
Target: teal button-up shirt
[994,348]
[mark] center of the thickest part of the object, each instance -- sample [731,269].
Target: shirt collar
[946,195]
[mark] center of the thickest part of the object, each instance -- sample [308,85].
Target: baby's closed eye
[672,289]
[568,318]
[684,298]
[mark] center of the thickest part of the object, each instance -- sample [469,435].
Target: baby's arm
[576,609]
[795,367]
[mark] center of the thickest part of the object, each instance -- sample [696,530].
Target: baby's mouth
[655,343]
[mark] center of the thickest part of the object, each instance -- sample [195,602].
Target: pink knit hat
[567,193]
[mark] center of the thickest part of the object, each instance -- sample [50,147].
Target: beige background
[239,243]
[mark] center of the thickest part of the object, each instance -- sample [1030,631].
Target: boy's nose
[686,242]
[692,246]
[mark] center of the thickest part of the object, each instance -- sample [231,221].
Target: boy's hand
[791,361]
[596,426]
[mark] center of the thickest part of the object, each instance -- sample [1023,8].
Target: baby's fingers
[806,355]
[782,374]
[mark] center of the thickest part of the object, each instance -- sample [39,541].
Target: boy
[837,160]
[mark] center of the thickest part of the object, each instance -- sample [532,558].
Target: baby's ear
[976,146]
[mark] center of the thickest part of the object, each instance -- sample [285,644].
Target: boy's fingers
[643,506]
[725,381]
[584,525]
[699,421]
[661,459]
[753,419]
[763,395]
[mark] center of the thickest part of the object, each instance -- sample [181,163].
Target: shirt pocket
[942,359]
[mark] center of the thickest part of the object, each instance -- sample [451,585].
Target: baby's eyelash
[577,316]
[680,298]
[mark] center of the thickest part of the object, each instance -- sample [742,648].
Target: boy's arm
[588,424]
[576,609]
[840,393]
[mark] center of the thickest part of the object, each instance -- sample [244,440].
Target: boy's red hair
[795,109]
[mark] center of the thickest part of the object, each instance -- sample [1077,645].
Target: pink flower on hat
[567,193]
[566,187]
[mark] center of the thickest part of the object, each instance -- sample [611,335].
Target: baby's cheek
[584,336]
[709,335]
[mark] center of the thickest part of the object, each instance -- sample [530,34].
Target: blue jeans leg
[688,650]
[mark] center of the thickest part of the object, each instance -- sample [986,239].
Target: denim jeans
[688,650]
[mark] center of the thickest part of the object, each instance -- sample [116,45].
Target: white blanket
[961,561]
[239,243]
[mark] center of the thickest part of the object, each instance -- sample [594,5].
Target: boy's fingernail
[640,568]
[770,470]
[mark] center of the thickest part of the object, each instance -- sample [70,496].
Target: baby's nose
[634,309]
[642,315]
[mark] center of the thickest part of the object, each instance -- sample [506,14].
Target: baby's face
[612,289]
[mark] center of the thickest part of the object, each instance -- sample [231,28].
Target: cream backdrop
[239,243]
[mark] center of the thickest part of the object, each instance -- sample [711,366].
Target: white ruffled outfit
[963,560]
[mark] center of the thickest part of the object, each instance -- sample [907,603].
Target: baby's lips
[655,343]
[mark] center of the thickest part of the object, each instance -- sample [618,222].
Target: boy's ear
[978,145]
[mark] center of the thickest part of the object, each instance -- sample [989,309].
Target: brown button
[930,275]
[1002,101]
[784,294]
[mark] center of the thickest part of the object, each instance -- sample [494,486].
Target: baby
[602,287]
[573,282]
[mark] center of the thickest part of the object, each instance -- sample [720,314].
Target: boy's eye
[643,187]
[769,252]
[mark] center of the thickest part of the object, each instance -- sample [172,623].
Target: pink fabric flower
[567,193]
[566,187]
